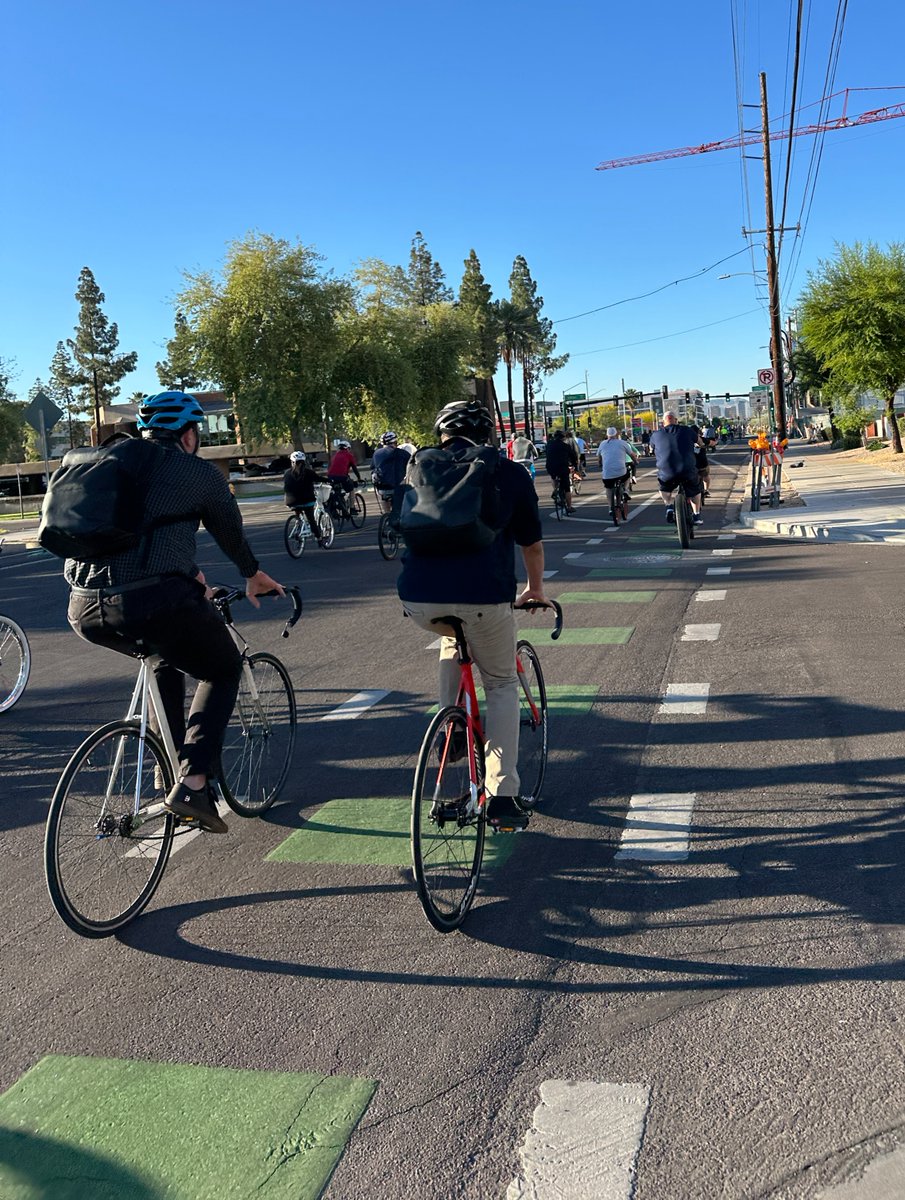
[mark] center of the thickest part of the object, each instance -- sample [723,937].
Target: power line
[664,336]
[795,69]
[644,295]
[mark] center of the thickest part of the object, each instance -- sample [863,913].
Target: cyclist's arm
[259,584]
[533,556]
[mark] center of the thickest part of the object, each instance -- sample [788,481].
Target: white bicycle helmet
[298,456]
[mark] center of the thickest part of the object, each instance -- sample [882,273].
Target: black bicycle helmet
[464,418]
[168,412]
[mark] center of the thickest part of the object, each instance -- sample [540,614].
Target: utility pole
[779,405]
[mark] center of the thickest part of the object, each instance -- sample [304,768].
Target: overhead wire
[663,336]
[795,69]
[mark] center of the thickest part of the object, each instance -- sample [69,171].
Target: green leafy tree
[515,330]
[179,370]
[476,305]
[426,281]
[97,367]
[59,389]
[11,420]
[853,319]
[268,329]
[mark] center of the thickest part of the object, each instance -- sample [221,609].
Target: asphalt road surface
[684,980]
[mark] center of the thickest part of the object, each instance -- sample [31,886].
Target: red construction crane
[750,139]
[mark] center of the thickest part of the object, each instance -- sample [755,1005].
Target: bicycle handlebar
[229,595]
[530,605]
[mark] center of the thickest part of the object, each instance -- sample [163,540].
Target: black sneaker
[671,514]
[505,815]
[196,805]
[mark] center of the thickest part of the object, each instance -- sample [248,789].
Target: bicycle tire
[683,525]
[447,850]
[336,511]
[327,532]
[101,870]
[260,738]
[15,662]
[623,504]
[358,510]
[576,484]
[292,537]
[387,537]
[559,506]
[533,730]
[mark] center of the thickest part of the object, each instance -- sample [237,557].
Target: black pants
[172,619]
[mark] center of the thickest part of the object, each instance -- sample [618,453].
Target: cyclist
[341,465]
[614,455]
[155,594]
[674,449]
[479,589]
[524,451]
[388,466]
[562,459]
[298,488]
[581,447]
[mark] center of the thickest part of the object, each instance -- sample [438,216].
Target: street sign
[765,376]
[761,388]
[574,399]
[42,414]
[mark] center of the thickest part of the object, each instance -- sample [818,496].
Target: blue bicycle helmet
[168,412]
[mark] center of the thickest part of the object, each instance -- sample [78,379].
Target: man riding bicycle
[155,594]
[562,459]
[614,454]
[388,466]
[674,448]
[479,588]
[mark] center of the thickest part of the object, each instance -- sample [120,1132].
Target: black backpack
[96,500]
[450,501]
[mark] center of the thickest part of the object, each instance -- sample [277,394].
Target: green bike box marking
[573,699]
[606,597]
[371,832]
[106,1129]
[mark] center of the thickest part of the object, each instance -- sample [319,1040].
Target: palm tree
[516,329]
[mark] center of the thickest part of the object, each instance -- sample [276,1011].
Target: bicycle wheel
[292,537]
[260,737]
[15,662]
[576,485]
[336,511]
[683,523]
[357,510]
[623,504]
[559,506]
[102,861]
[447,833]
[614,504]
[532,740]
[326,531]
[387,537]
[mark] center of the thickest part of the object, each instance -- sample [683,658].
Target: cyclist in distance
[298,487]
[156,594]
[562,459]
[341,464]
[614,455]
[674,448]
[479,588]
[388,466]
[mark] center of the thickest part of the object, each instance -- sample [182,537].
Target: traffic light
[664,392]
[727,397]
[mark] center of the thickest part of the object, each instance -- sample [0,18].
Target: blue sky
[139,139]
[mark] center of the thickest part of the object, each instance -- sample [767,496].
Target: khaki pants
[490,631]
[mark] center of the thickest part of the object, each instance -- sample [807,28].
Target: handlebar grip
[296,597]
[529,605]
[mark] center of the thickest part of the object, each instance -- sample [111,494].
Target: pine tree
[98,368]
[59,389]
[477,306]
[11,421]
[180,368]
[426,280]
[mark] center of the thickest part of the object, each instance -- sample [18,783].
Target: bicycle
[108,835]
[297,529]
[684,517]
[561,502]
[618,496]
[576,479]
[387,528]
[449,805]
[343,506]
[15,662]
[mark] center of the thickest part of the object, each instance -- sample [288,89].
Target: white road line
[435,644]
[688,699]
[151,845]
[722,553]
[700,633]
[550,574]
[657,828]
[718,571]
[725,537]
[583,1142]
[594,542]
[575,554]
[355,706]
[703,597]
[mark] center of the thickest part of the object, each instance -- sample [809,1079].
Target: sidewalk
[839,500]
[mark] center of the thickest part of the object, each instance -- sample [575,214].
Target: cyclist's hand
[259,585]
[208,592]
[535,595]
